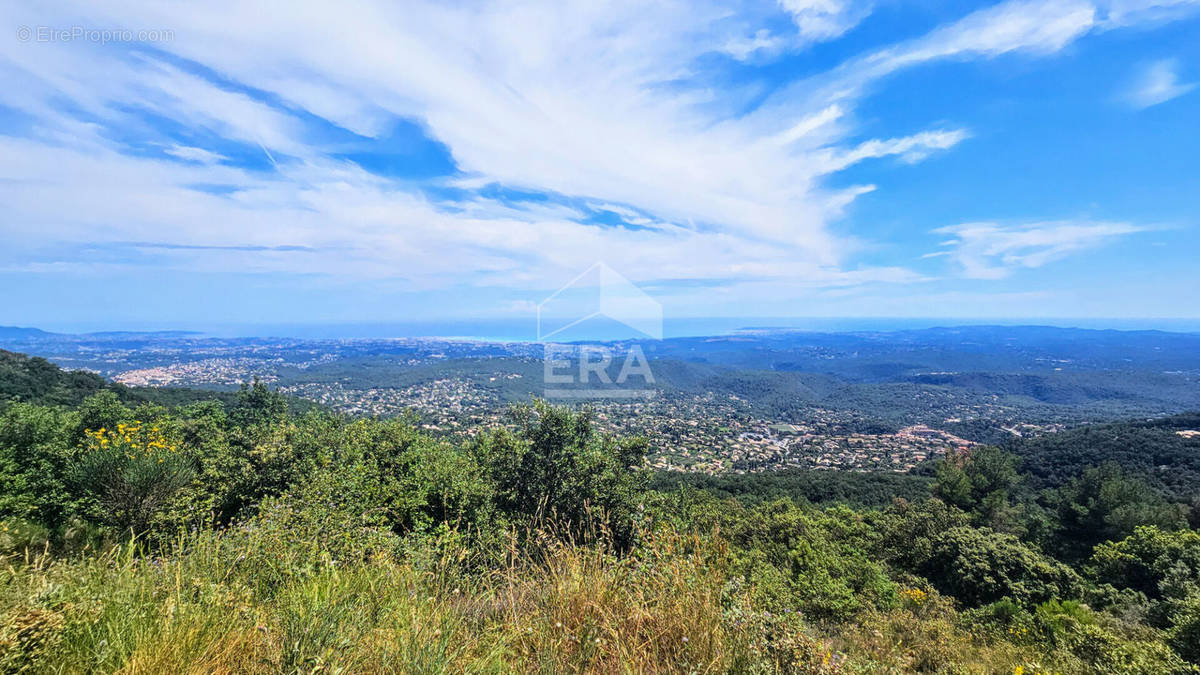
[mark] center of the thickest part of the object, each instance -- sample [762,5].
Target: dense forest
[242,535]
[1153,449]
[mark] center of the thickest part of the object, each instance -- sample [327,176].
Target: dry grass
[669,607]
[564,608]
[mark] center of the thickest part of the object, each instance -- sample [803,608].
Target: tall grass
[554,607]
[245,601]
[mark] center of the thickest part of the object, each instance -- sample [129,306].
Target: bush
[798,558]
[907,531]
[130,474]
[558,467]
[34,458]
[1059,619]
[1157,563]
[1184,633]
[978,566]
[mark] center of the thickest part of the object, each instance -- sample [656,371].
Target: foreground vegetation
[242,537]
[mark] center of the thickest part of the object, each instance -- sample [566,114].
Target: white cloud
[819,20]
[993,251]
[566,99]
[742,48]
[1032,27]
[1036,27]
[910,148]
[1157,83]
[599,102]
[812,20]
[1122,13]
[350,225]
[191,154]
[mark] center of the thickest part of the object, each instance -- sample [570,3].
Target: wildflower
[685,639]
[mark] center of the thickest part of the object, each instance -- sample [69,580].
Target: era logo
[599,299]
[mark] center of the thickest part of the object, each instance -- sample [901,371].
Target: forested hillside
[1164,452]
[36,380]
[248,538]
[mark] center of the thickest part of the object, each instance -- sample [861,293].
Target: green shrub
[907,530]
[1058,619]
[1184,631]
[557,467]
[1151,561]
[130,474]
[35,456]
[978,566]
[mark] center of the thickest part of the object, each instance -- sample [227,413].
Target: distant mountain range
[21,333]
[18,332]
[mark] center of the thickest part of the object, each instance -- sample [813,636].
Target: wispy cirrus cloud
[1123,13]
[541,101]
[582,104]
[910,149]
[191,154]
[810,21]
[994,251]
[1157,83]
[1037,27]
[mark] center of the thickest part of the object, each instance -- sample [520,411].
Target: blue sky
[221,163]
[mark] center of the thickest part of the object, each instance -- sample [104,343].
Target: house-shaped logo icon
[600,294]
